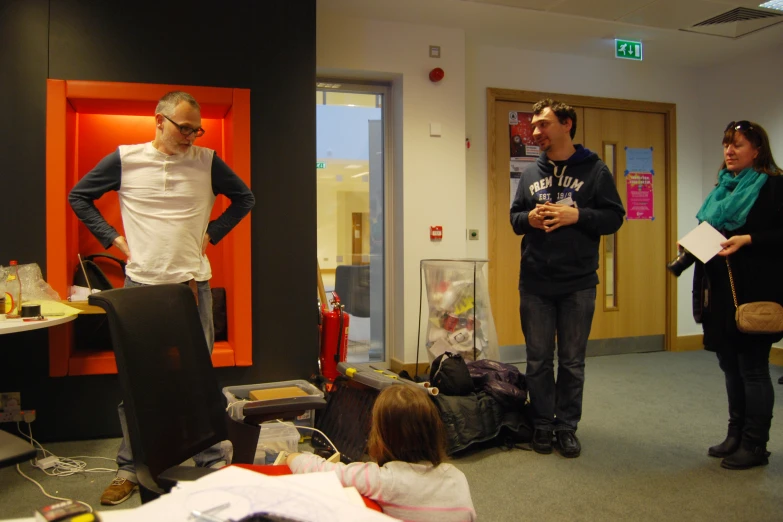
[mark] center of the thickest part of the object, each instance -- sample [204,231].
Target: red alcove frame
[85,121]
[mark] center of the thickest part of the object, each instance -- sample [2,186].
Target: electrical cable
[65,466]
[316,430]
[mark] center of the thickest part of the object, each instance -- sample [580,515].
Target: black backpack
[450,375]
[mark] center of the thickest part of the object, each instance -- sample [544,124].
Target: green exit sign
[628,50]
[320,165]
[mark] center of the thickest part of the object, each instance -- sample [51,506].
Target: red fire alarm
[436,233]
[436,75]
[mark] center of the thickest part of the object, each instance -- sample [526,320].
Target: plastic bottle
[2,293]
[13,290]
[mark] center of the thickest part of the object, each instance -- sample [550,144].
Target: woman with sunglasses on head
[746,206]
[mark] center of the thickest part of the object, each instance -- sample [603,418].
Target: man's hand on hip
[204,244]
[556,216]
[122,245]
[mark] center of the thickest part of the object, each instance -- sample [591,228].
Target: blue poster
[638,160]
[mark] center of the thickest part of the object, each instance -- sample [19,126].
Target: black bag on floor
[478,418]
[450,375]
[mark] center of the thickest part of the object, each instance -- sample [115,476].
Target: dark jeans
[556,405]
[749,388]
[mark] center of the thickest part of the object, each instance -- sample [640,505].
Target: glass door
[351,190]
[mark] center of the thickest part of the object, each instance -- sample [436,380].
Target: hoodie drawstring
[555,167]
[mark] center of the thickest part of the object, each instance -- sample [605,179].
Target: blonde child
[408,479]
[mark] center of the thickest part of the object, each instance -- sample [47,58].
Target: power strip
[47,462]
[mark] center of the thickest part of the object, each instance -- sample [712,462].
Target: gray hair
[170,100]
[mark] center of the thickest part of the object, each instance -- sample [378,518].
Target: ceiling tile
[675,14]
[603,9]
[539,5]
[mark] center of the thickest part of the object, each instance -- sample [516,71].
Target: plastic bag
[459,314]
[34,288]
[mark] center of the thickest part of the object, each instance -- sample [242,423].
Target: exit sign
[628,50]
[320,165]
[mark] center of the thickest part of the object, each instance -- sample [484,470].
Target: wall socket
[473,234]
[10,407]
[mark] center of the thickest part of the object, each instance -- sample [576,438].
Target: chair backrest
[173,404]
[352,284]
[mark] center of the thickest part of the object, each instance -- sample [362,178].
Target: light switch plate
[435,129]
[434,51]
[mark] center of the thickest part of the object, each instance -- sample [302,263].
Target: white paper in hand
[703,242]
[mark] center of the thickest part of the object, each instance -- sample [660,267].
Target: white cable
[313,429]
[47,494]
[65,466]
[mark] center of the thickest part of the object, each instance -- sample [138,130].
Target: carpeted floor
[648,420]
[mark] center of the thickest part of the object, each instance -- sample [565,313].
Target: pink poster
[639,186]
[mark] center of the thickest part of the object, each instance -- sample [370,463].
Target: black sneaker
[542,441]
[568,444]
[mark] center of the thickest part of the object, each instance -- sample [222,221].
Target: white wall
[748,89]
[429,172]
[610,78]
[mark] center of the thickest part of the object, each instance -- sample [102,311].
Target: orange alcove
[86,121]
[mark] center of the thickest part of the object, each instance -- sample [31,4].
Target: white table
[19,325]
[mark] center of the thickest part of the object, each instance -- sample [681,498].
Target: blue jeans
[556,405]
[207,457]
[749,388]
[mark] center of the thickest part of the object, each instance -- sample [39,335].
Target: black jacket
[565,260]
[755,267]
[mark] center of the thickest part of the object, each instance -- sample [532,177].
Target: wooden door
[356,238]
[631,295]
[636,307]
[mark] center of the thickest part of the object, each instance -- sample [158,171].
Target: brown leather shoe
[118,491]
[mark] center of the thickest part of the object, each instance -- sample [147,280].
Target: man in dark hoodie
[564,203]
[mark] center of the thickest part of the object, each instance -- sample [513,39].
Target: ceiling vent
[737,22]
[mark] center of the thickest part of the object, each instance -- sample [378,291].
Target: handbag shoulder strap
[731,282]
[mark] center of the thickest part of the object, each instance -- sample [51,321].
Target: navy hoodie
[565,260]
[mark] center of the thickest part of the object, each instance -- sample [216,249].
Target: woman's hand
[290,458]
[733,244]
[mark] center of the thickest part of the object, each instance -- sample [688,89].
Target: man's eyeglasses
[185,130]
[743,125]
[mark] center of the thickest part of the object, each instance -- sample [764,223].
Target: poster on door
[520,132]
[639,191]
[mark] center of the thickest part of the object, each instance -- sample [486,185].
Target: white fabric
[166,202]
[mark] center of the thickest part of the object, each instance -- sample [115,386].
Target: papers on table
[308,497]
[703,242]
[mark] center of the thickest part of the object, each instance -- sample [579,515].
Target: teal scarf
[727,206]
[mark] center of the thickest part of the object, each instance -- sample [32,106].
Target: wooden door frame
[669,112]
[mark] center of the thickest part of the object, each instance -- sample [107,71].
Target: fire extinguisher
[334,337]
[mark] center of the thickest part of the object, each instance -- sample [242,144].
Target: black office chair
[173,405]
[352,284]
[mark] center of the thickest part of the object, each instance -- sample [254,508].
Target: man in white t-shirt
[166,190]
